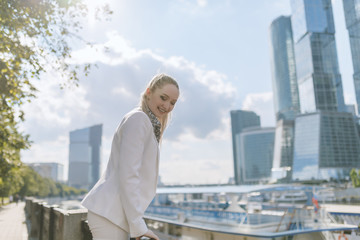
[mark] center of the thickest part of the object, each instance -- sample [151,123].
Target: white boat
[292,197]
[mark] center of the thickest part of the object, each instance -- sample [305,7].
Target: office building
[239,121]
[352,18]
[84,157]
[256,146]
[351,108]
[286,95]
[283,151]
[325,141]
[52,170]
[317,70]
[282,58]
[326,146]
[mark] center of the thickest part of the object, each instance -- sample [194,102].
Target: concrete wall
[49,223]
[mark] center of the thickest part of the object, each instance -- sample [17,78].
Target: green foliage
[34,38]
[30,182]
[11,183]
[355,177]
[35,185]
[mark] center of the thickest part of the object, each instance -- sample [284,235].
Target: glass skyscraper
[326,146]
[286,96]
[84,157]
[318,77]
[256,147]
[325,140]
[352,17]
[283,150]
[285,90]
[239,121]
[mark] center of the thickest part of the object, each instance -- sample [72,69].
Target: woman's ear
[147,91]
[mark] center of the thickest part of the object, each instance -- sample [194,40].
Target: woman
[119,199]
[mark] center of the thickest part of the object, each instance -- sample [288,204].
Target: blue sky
[217,50]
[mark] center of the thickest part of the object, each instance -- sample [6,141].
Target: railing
[51,223]
[175,212]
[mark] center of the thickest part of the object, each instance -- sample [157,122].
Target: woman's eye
[162,98]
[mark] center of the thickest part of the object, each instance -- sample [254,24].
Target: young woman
[119,199]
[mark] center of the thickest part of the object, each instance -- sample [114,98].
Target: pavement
[12,222]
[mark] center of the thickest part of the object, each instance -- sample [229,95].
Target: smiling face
[162,100]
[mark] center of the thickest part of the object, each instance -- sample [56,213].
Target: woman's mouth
[162,110]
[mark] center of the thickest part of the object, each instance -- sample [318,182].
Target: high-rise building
[317,70]
[351,108]
[239,121]
[352,17]
[325,141]
[52,170]
[283,151]
[285,90]
[326,146]
[286,95]
[84,157]
[256,147]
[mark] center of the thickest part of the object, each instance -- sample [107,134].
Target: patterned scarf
[155,122]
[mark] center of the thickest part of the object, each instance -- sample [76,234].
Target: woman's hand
[150,235]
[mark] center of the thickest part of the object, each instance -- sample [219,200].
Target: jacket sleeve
[131,137]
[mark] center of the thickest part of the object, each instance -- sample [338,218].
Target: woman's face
[162,100]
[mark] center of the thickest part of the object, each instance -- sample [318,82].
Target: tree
[11,183]
[355,177]
[35,36]
[30,186]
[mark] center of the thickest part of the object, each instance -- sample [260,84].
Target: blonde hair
[158,81]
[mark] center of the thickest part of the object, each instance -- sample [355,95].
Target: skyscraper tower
[318,77]
[239,121]
[285,90]
[326,143]
[286,96]
[84,157]
[352,17]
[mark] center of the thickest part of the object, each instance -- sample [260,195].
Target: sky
[218,51]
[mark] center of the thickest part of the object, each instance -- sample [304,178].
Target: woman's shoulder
[136,113]
[136,116]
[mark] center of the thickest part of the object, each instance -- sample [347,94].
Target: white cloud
[114,88]
[202,3]
[261,104]
[49,151]
[54,110]
[122,91]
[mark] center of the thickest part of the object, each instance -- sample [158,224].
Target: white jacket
[126,189]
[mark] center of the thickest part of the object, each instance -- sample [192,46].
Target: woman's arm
[131,138]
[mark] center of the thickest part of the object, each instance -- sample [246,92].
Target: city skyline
[219,69]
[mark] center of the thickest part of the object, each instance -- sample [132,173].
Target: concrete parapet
[47,222]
